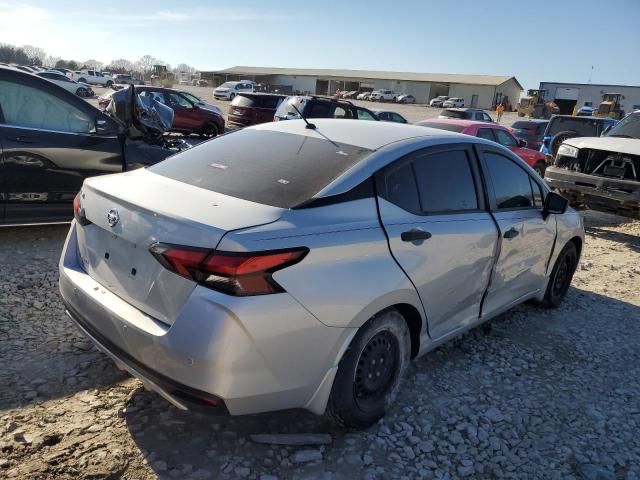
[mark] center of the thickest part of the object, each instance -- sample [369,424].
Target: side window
[486,133]
[180,100]
[91,73]
[318,110]
[364,115]
[511,183]
[538,196]
[445,182]
[397,118]
[505,138]
[400,188]
[342,112]
[25,106]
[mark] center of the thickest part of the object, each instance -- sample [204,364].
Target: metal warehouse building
[477,90]
[570,95]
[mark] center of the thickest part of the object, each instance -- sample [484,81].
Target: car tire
[558,138]
[371,371]
[540,167]
[232,96]
[209,130]
[561,276]
[81,92]
[109,83]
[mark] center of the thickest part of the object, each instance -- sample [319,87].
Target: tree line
[30,55]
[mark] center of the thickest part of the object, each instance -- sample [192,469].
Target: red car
[190,115]
[494,132]
[253,108]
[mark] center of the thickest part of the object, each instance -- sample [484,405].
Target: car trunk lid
[132,211]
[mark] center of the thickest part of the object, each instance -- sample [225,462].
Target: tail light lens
[238,274]
[78,211]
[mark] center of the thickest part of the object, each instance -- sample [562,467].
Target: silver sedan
[294,265]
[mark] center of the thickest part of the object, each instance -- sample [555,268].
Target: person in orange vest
[500,111]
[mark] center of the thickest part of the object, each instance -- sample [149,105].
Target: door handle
[24,139]
[511,233]
[414,235]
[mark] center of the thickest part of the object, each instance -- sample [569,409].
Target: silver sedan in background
[290,265]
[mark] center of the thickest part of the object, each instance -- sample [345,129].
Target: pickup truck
[601,173]
[383,96]
[92,77]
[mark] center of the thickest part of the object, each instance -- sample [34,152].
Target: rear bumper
[226,354]
[609,193]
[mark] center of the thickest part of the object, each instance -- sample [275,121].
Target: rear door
[50,145]
[3,176]
[527,236]
[432,208]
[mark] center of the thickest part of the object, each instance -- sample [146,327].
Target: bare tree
[183,67]
[94,64]
[120,65]
[36,54]
[52,61]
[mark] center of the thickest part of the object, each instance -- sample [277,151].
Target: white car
[438,101]
[453,102]
[80,89]
[363,96]
[93,77]
[229,90]
[383,96]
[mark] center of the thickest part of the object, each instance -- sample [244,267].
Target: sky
[542,40]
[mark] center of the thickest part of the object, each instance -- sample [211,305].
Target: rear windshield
[273,168]
[257,101]
[583,126]
[442,126]
[524,125]
[453,113]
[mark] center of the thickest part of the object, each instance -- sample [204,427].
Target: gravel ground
[541,394]
[413,113]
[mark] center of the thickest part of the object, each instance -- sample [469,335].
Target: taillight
[239,274]
[78,211]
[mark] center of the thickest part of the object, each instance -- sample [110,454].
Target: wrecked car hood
[630,146]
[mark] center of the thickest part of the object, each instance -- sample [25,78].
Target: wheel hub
[376,366]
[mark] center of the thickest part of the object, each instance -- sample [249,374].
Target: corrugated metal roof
[372,74]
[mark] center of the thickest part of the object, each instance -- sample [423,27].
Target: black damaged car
[51,140]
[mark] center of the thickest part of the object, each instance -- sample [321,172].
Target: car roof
[360,133]
[533,120]
[462,122]
[464,109]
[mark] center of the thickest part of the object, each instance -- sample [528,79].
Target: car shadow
[631,241]
[177,443]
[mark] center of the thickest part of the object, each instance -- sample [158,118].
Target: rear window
[257,101]
[453,113]
[583,126]
[273,168]
[524,125]
[442,126]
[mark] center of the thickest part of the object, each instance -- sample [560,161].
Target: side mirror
[522,143]
[555,203]
[104,127]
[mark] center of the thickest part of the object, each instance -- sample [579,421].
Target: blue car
[562,127]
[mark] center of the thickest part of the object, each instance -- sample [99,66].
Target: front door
[186,115]
[474,101]
[526,235]
[50,145]
[431,206]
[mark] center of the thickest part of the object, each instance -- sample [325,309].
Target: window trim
[488,182]
[411,157]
